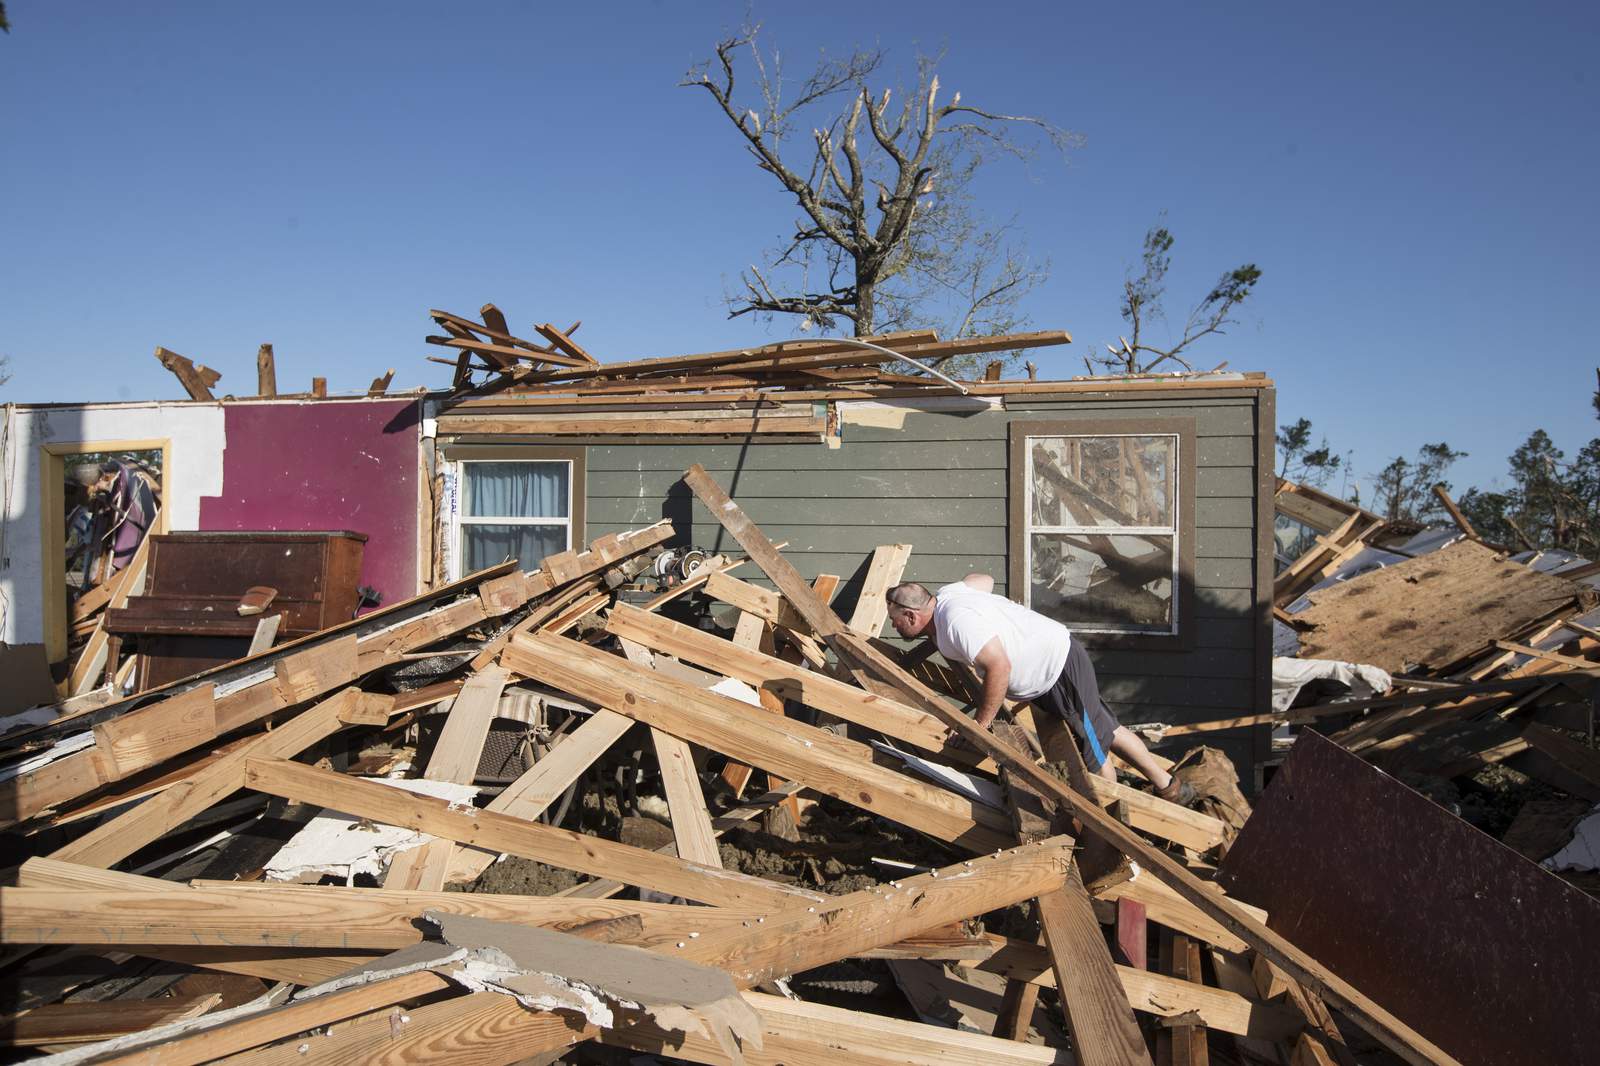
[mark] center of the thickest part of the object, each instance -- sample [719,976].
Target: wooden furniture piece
[188,618]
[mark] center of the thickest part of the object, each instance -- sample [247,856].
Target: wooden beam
[90,1021]
[819,1035]
[380,385]
[1152,993]
[196,380]
[821,760]
[768,673]
[1456,516]
[486,1028]
[1104,1030]
[565,344]
[455,758]
[319,388]
[531,794]
[765,604]
[93,659]
[883,573]
[266,372]
[115,840]
[875,668]
[572,851]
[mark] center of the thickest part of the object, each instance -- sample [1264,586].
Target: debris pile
[241,921]
[1493,655]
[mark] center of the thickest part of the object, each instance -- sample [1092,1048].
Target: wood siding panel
[939,483]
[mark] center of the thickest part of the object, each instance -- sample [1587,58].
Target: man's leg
[1127,744]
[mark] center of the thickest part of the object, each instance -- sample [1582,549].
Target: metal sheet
[1483,952]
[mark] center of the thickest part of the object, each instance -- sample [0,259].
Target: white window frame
[458,518]
[1175,530]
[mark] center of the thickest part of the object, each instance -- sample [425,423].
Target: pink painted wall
[326,465]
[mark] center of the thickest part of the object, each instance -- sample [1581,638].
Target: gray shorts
[1075,698]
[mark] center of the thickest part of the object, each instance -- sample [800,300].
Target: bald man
[1024,655]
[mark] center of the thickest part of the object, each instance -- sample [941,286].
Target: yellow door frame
[53,523]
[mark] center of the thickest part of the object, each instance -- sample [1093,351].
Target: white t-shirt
[964,620]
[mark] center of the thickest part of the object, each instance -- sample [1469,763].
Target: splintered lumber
[455,758]
[254,689]
[196,380]
[87,1022]
[1151,993]
[881,674]
[486,1028]
[772,674]
[821,760]
[763,603]
[559,847]
[123,835]
[1104,1030]
[818,1035]
[883,573]
[691,824]
[93,659]
[529,795]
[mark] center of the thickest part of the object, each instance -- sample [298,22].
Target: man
[1026,656]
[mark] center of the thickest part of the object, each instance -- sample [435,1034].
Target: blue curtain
[486,545]
[514,490]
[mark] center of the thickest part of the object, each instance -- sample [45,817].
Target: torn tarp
[1289,676]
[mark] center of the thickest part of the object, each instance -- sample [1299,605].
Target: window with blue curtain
[520,510]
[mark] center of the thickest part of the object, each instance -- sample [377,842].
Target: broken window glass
[1103,531]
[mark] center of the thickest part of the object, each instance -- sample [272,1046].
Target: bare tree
[888,235]
[1142,304]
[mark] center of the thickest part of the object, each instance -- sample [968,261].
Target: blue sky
[1416,181]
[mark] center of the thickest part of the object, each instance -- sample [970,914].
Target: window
[519,509]
[1100,533]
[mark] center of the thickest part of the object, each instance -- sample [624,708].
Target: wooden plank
[123,835]
[486,1028]
[563,343]
[1189,1047]
[286,1020]
[752,633]
[881,675]
[487,829]
[266,372]
[319,388]
[266,633]
[817,1035]
[1152,993]
[768,673]
[691,824]
[380,385]
[763,603]
[87,1022]
[531,794]
[455,758]
[883,573]
[92,660]
[1104,1030]
[752,425]
[196,380]
[820,759]
[1151,814]
[1549,656]
[1015,1017]
[134,742]
[309,673]
[1575,757]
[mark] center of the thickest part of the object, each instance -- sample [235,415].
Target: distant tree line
[1552,501]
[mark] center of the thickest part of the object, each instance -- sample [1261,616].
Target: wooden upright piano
[187,619]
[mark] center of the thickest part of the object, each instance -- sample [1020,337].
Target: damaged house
[548,718]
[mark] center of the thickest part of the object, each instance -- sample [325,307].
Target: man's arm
[996,667]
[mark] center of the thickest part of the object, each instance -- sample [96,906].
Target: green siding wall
[940,484]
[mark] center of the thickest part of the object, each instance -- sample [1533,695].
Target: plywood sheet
[1485,953]
[1429,611]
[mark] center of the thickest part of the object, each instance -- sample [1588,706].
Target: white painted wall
[197,438]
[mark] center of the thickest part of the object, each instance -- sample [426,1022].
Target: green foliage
[1404,489]
[1301,462]
[1551,503]
[1142,298]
